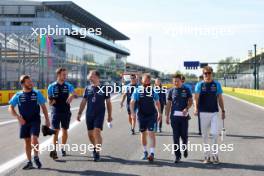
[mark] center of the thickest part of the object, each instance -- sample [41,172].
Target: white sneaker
[206,160]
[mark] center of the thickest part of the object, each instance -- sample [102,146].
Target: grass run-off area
[256,100]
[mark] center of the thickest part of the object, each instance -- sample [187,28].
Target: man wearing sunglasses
[208,95]
[129,89]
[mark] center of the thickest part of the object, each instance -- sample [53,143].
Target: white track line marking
[17,160]
[72,109]
[7,122]
[15,120]
[4,106]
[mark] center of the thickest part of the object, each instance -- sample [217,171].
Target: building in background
[22,52]
[245,73]
[131,67]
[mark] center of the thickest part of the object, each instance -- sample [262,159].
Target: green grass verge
[252,99]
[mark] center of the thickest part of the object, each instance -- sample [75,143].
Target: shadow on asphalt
[170,163]
[89,172]
[224,165]
[245,136]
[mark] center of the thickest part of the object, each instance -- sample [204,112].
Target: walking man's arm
[109,109]
[221,104]
[82,106]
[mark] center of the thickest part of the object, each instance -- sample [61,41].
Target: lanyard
[94,94]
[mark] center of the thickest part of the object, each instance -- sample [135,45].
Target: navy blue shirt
[162,94]
[129,91]
[208,98]
[95,100]
[28,104]
[179,98]
[60,93]
[145,99]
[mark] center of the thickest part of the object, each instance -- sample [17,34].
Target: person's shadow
[89,172]
[189,163]
[245,136]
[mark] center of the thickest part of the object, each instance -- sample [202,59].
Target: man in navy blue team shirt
[60,96]
[179,102]
[95,96]
[29,102]
[148,113]
[162,99]
[208,95]
[129,89]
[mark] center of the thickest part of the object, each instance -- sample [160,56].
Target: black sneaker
[133,131]
[185,153]
[145,156]
[37,162]
[215,159]
[63,152]
[28,166]
[53,155]
[93,152]
[97,157]
[177,160]
[160,130]
[151,157]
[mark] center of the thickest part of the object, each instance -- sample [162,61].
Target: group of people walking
[145,104]
[146,107]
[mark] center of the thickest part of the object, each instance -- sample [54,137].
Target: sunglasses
[207,73]
[133,77]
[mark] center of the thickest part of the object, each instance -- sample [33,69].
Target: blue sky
[204,30]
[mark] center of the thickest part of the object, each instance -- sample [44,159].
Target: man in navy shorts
[95,96]
[148,114]
[60,96]
[129,89]
[29,102]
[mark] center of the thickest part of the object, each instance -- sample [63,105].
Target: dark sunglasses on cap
[207,73]
[133,77]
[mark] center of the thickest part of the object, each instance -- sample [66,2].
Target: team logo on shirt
[213,88]
[55,91]
[22,98]
[33,97]
[65,89]
[90,91]
[141,95]
[183,94]
[203,88]
[175,93]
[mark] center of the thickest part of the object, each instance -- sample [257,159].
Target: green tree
[227,66]
[190,77]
